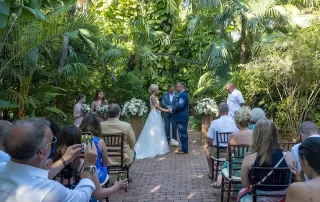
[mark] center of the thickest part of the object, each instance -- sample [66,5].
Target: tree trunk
[64,51]
[243,51]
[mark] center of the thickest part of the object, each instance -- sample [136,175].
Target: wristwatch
[91,169]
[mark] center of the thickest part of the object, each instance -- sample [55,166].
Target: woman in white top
[77,114]
[152,140]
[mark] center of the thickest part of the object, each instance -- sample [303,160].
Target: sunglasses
[54,140]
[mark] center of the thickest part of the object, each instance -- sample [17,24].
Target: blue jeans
[183,135]
[167,121]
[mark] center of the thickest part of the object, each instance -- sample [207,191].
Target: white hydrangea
[134,107]
[207,106]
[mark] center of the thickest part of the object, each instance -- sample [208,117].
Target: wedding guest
[114,126]
[91,123]
[167,101]
[235,99]
[309,153]
[257,114]
[71,135]
[99,101]
[242,137]
[29,144]
[307,129]
[265,152]
[77,114]
[224,123]
[5,127]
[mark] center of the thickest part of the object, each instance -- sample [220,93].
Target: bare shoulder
[297,192]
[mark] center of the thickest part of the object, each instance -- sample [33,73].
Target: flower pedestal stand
[136,123]
[206,121]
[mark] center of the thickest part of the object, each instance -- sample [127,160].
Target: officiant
[167,101]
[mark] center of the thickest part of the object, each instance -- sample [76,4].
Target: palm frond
[193,25]
[73,70]
[113,54]
[12,96]
[32,35]
[217,53]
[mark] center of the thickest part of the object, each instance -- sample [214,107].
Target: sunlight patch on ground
[191,195]
[155,189]
[162,158]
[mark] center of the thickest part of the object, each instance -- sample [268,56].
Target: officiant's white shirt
[20,182]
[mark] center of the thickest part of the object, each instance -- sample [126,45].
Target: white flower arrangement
[85,109]
[207,106]
[102,110]
[134,107]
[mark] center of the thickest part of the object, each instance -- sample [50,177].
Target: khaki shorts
[221,154]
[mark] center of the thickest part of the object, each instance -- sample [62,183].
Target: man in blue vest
[180,113]
[167,101]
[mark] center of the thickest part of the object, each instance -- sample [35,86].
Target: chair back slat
[236,154]
[287,145]
[222,137]
[279,179]
[115,145]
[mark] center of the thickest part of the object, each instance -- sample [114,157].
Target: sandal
[215,185]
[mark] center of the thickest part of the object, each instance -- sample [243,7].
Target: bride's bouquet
[134,107]
[103,110]
[85,109]
[207,106]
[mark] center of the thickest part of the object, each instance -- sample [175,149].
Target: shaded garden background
[52,50]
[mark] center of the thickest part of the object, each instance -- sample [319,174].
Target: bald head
[26,138]
[308,128]
[5,127]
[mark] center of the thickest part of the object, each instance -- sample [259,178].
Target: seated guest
[265,152]
[307,129]
[55,129]
[309,153]
[242,137]
[223,124]
[114,126]
[91,123]
[68,136]
[257,114]
[21,179]
[5,127]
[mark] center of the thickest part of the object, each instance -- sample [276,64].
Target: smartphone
[122,175]
[86,138]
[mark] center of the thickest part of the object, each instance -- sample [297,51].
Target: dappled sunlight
[155,189]
[162,158]
[191,195]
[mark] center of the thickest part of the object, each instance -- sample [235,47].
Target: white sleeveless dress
[152,140]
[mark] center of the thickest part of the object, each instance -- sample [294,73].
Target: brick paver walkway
[171,177]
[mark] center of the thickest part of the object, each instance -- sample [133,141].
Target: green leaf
[89,44]
[56,110]
[73,34]
[30,12]
[5,104]
[3,21]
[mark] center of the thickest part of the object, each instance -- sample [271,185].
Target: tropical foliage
[50,51]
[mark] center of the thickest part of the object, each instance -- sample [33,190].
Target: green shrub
[194,123]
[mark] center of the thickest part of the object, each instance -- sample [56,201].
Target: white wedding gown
[152,140]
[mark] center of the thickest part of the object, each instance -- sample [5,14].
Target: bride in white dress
[152,140]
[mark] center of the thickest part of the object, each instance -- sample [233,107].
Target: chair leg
[222,189]
[229,192]
[217,170]
[212,169]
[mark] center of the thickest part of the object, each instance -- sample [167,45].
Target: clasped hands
[170,110]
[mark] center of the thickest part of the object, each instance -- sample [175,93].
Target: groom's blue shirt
[181,108]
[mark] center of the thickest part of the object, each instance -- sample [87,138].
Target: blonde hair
[264,141]
[243,116]
[152,88]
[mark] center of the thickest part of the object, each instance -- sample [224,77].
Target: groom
[181,116]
